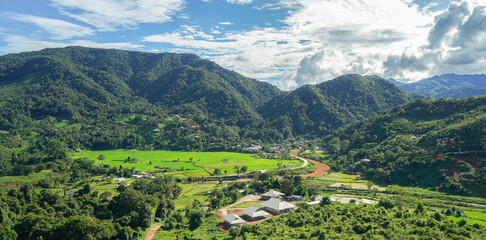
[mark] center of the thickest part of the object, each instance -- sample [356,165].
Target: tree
[196,218]
[238,169]
[106,195]
[287,186]
[325,201]
[165,207]
[86,189]
[420,208]
[217,171]
[101,157]
[215,203]
[244,169]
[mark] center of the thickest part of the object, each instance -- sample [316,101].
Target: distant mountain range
[448,85]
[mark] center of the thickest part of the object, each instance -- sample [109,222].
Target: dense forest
[106,99]
[317,110]
[429,143]
[28,214]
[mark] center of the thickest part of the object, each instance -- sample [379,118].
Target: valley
[114,144]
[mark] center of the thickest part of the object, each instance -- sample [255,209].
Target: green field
[193,191]
[16,181]
[468,220]
[173,159]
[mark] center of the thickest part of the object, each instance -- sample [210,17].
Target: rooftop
[233,219]
[255,212]
[277,204]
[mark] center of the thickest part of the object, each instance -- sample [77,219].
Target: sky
[288,43]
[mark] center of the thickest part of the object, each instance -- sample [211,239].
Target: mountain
[428,143]
[104,99]
[448,85]
[396,82]
[319,109]
[103,80]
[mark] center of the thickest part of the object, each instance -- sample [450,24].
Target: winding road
[322,169]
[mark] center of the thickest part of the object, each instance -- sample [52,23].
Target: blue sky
[286,42]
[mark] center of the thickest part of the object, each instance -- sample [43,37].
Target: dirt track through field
[152,232]
[224,211]
[322,169]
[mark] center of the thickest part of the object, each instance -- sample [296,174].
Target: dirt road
[322,169]
[152,232]
[224,211]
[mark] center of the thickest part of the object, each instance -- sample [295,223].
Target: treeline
[329,220]
[27,214]
[418,144]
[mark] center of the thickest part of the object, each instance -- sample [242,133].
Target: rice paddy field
[148,160]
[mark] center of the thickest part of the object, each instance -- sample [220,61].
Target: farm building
[253,213]
[277,206]
[293,198]
[271,194]
[233,220]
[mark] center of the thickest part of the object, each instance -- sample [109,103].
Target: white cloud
[16,43]
[225,23]
[109,15]
[456,45]
[239,1]
[59,29]
[321,39]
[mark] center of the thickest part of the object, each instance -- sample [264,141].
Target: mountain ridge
[447,85]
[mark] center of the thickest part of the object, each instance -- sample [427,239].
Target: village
[274,203]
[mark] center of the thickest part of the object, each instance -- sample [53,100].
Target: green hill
[317,110]
[105,98]
[431,143]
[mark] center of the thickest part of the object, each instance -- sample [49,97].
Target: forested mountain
[431,143]
[319,109]
[87,79]
[448,85]
[105,99]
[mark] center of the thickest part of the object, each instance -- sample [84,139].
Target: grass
[193,191]
[477,215]
[15,181]
[173,159]
[468,220]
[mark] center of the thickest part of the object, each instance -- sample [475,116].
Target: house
[135,176]
[271,194]
[121,179]
[293,198]
[233,220]
[253,213]
[277,206]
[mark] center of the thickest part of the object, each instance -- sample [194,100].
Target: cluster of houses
[148,174]
[447,141]
[276,203]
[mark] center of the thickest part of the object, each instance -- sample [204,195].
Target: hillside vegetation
[430,143]
[317,110]
[107,99]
